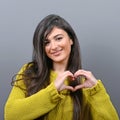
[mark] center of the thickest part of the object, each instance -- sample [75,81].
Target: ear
[71,41]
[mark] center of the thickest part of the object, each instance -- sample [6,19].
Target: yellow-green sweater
[58,106]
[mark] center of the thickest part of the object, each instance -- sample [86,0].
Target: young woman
[53,86]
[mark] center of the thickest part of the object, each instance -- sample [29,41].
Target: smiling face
[58,46]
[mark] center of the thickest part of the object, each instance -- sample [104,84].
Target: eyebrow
[56,36]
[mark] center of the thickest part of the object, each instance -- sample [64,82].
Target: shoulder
[24,67]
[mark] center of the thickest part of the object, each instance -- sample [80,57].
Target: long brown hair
[37,72]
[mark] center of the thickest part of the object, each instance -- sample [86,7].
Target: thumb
[68,88]
[79,87]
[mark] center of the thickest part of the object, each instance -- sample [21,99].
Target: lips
[56,53]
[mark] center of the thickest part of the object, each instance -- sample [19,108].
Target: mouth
[56,53]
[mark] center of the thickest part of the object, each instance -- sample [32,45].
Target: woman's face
[58,45]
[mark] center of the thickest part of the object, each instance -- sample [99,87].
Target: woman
[53,86]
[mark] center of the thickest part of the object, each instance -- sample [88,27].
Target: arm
[20,108]
[99,103]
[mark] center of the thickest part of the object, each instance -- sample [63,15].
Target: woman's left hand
[89,82]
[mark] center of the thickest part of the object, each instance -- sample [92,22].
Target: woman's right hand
[59,82]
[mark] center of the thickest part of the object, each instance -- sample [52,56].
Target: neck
[59,67]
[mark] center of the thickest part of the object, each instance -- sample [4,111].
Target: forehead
[55,32]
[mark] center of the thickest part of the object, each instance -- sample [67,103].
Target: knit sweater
[58,105]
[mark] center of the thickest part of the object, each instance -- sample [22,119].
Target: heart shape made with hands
[76,76]
[89,80]
[73,80]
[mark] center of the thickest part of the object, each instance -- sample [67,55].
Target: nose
[53,45]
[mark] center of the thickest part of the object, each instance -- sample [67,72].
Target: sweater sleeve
[99,104]
[19,107]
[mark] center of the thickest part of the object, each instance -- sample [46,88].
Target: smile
[56,53]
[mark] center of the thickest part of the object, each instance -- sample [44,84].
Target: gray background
[97,25]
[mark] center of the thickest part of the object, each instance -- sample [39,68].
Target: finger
[79,87]
[86,74]
[65,87]
[63,76]
[79,72]
[69,88]
[60,80]
[66,74]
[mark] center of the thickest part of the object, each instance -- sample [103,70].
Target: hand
[59,82]
[89,82]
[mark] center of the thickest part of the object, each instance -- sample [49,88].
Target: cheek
[68,46]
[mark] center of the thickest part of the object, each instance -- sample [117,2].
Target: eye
[46,42]
[59,38]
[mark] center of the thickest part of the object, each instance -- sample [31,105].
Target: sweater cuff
[95,89]
[54,95]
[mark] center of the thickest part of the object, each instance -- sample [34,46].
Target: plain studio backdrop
[96,23]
